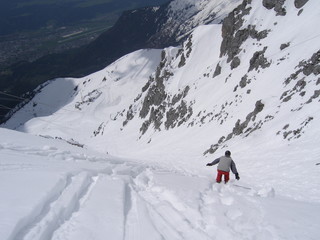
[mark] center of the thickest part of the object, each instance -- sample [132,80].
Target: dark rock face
[259,60]
[240,128]
[244,81]
[290,134]
[277,5]
[233,36]
[269,4]
[155,96]
[162,108]
[178,115]
[306,67]
[315,95]
[300,3]
[235,63]
[217,71]
[284,45]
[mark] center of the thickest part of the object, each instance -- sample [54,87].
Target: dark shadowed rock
[259,60]
[300,3]
[284,45]
[217,71]
[232,36]
[235,62]
[277,5]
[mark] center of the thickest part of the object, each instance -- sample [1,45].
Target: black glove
[237,176]
[209,164]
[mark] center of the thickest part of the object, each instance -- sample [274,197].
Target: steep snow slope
[53,190]
[250,85]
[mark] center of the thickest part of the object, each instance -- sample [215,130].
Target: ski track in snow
[140,201]
[126,200]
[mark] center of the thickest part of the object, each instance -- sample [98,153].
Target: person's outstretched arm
[214,162]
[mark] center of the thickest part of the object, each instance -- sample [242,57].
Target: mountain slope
[52,190]
[143,129]
[155,27]
[250,83]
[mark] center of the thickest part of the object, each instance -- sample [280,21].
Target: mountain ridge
[149,27]
[263,86]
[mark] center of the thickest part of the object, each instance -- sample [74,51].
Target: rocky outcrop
[234,34]
[217,71]
[306,67]
[240,128]
[259,60]
[300,3]
[277,5]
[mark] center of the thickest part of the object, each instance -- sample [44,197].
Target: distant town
[29,46]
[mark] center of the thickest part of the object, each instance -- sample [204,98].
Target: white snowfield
[81,167]
[52,190]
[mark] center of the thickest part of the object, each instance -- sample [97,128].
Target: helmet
[227,153]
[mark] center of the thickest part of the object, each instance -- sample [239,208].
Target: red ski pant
[219,176]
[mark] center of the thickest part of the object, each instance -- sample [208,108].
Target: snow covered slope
[53,190]
[250,85]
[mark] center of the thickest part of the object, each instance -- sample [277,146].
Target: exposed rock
[306,67]
[300,3]
[287,99]
[284,45]
[189,46]
[130,116]
[314,96]
[296,133]
[232,36]
[217,71]
[177,116]
[235,62]
[240,127]
[185,52]
[99,130]
[300,85]
[145,87]
[178,97]
[156,90]
[244,81]
[257,35]
[155,96]
[277,5]
[269,4]
[212,149]
[313,65]
[144,127]
[258,60]
[182,61]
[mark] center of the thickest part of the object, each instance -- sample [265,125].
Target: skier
[225,163]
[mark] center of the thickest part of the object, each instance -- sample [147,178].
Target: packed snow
[53,190]
[76,166]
